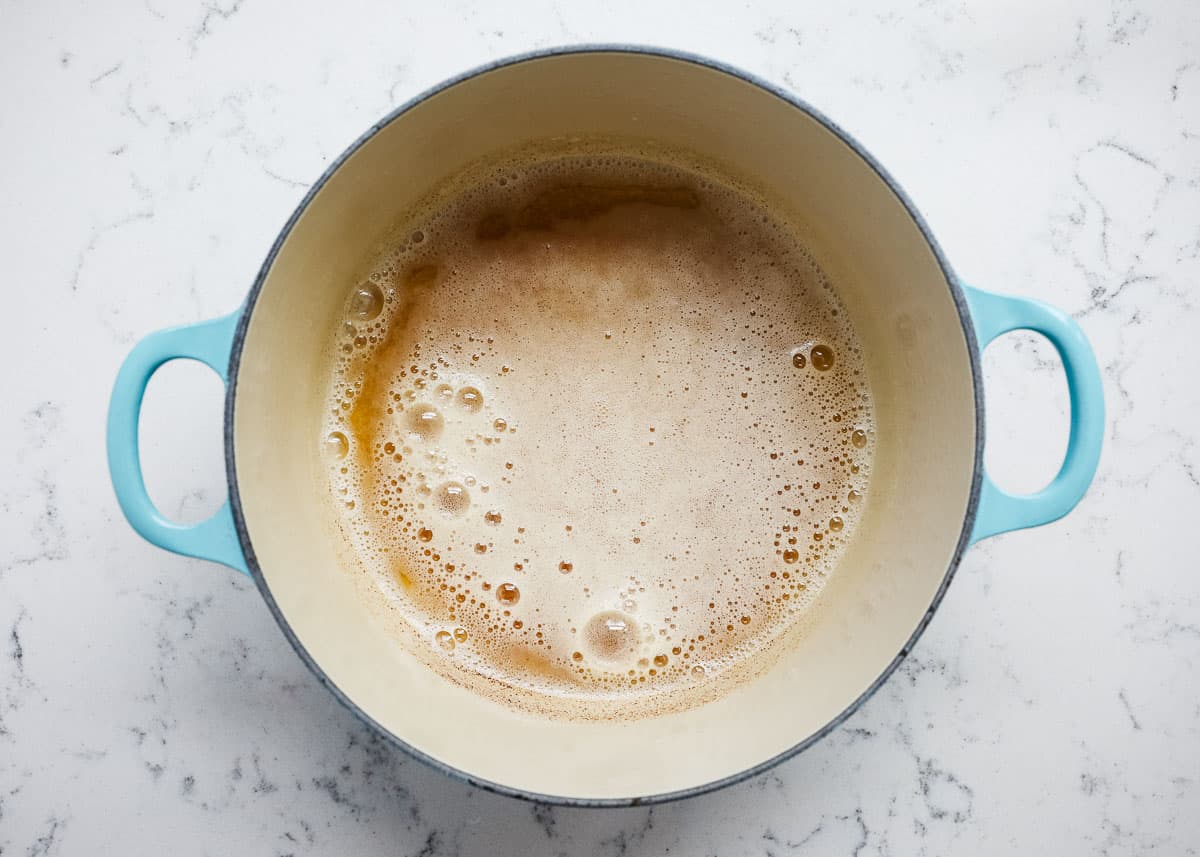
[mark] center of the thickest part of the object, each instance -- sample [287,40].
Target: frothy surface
[598,427]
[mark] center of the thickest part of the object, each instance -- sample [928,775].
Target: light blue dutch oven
[922,331]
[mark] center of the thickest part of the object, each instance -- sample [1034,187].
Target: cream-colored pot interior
[890,282]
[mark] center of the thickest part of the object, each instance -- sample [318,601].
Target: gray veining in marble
[149,704]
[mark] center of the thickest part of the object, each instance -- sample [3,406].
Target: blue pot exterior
[990,511]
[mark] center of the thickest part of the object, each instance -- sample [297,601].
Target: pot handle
[210,343]
[1000,511]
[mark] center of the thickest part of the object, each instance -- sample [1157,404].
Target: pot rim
[973,353]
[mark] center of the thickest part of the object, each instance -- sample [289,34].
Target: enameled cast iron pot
[922,332]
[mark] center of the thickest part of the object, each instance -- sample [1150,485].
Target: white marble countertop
[149,704]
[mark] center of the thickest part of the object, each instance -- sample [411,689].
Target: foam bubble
[508,594]
[425,421]
[822,357]
[452,498]
[337,445]
[470,398]
[611,636]
[366,302]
